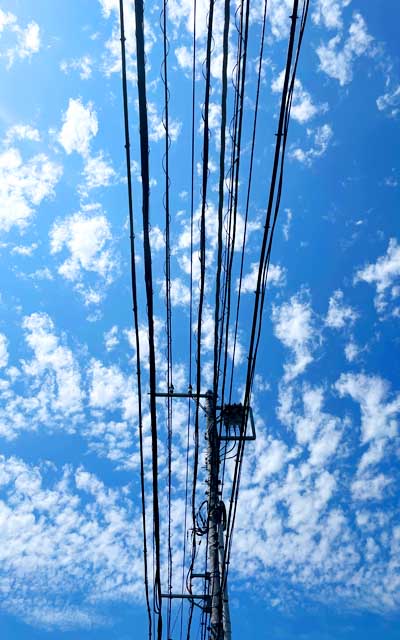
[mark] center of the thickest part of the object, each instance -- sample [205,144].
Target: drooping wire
[202,260]
[224,81]
[236,172]
[287,94]
[190,314]
[165,120]
[135,310]
[144,158]
[230,179]
[249,184]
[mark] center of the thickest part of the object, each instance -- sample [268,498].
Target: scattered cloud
[83,65]
[338,63]
[156,125]
[54,359]
[3,351]
[111,389]
[321,139]
[23,186]
[111,339]
[351,351]
[25,41]
[276,278]
[379,414]
[329,13]
[21,132]
[303,108]
[88,239]
[69,539]
[287,224]
[80,125]
[339,315]
[390,102]
[25,250]
[385,275]
[98,172]
[294,326]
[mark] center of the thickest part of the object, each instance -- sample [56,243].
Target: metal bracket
[232,420]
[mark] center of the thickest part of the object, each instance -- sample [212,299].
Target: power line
[205,529]
[249,184]
[135,309]
[164,76]
[224,81]
[202,256]
[264,258]
[144,159]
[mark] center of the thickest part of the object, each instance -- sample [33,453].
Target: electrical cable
[202,260]
[287,94]
[249,184]
[144,157]
[135,309]
[165,163]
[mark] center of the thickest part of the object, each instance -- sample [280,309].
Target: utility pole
[226,616]
[231,417]
[214,518]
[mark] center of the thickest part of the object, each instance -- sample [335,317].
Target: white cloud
[111,338]
[322,138]
[338,64]
[23,186]
[80,125]
[370,487]
[379,425]
[68,539]
[339,315]
[156,126]
[319,431]
[279,12]
[97,172]
[112,53]
[287,224]
[351,351]
[180,293]
[83,65]
[21,132]
[27,39]
[85,237]
[378,415]
[88,239]
[294,326]
[390,102]
[25,250]
[276,277]
[53,365]
[329,13]
[110,389]
[3,351]
[184,57]
[157,239]
[384,274]
[51,392]
[6,19]
[303,109]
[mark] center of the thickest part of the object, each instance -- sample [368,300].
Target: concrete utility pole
[226,616]
[215,601]
[216,629]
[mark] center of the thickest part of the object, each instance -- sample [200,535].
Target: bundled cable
[135,309]
[144,161]
[272,209]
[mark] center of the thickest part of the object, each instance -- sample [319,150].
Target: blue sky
[317,539]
